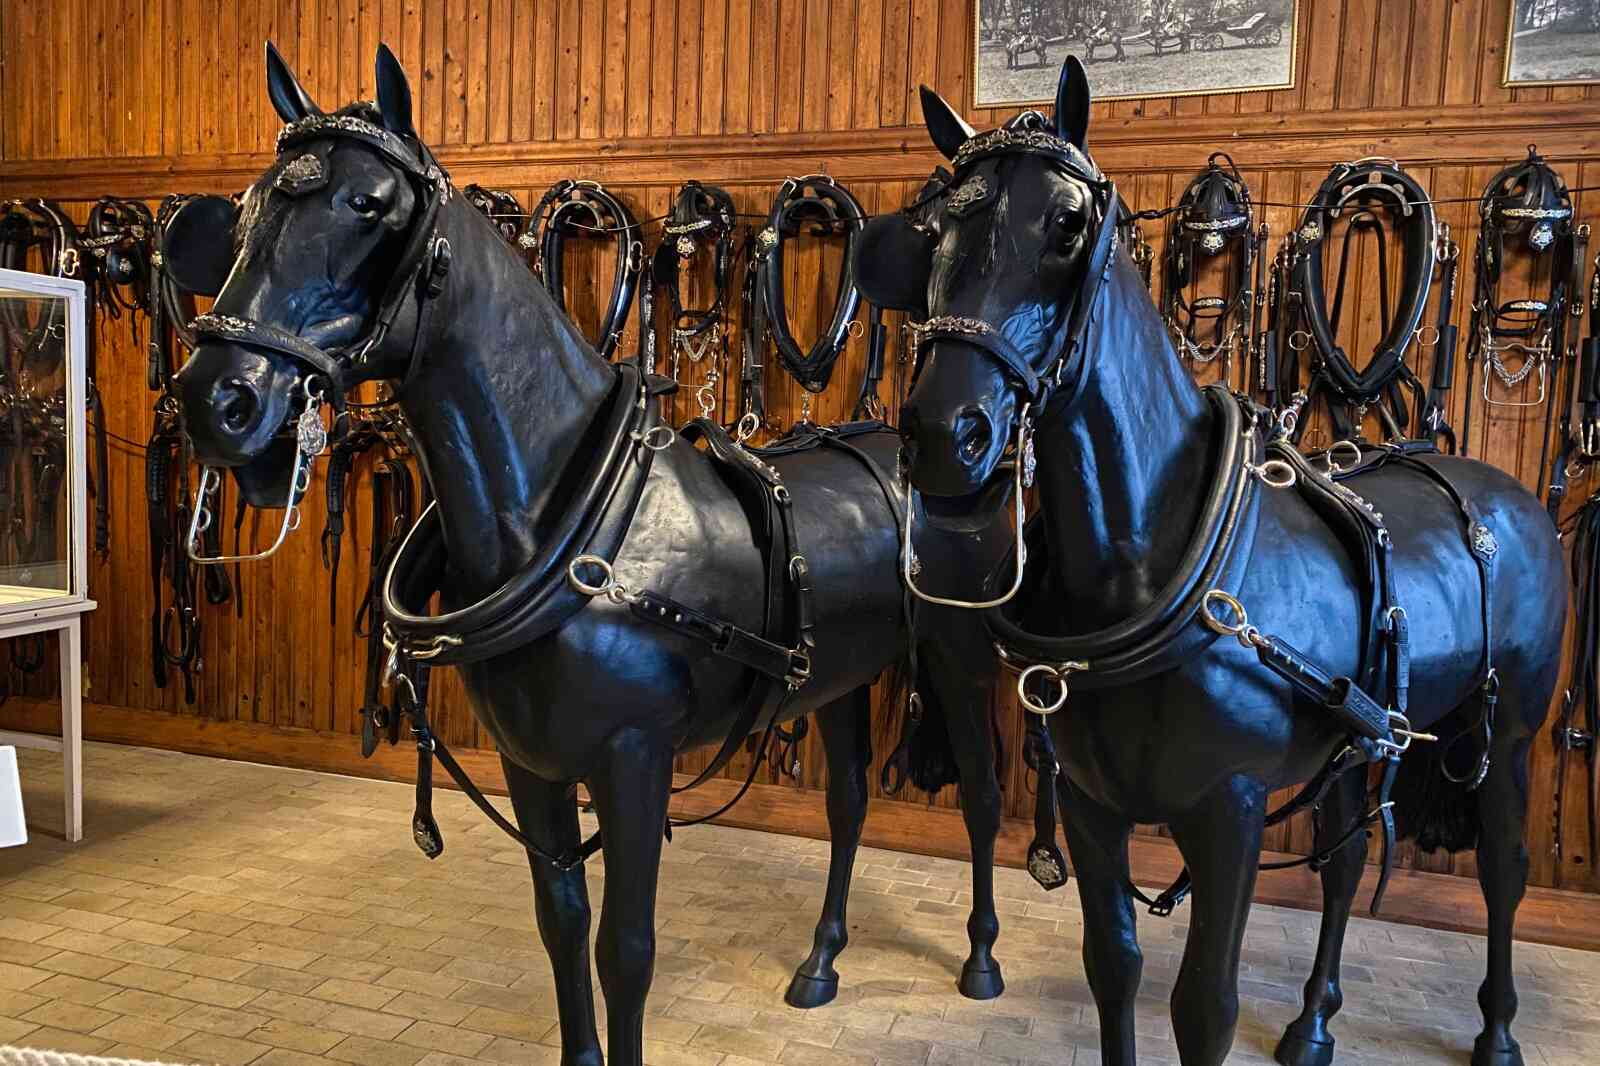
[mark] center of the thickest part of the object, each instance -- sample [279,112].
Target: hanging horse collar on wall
[1214,213]
[1356,193]
[501,207]
[586,208]
[828,208]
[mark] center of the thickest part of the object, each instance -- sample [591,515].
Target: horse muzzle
[953,451]
[235,402]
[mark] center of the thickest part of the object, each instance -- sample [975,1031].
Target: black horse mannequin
[502,395]
[1125,449]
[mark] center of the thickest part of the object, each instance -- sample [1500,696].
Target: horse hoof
[1483,1054]
[808,992]
[1298,1051]
[981,984]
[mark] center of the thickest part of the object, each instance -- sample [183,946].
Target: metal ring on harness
[1346,445]
[582,587]
[658,438]
[1058,674]
[1274,473]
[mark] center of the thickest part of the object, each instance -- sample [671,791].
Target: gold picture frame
[1249,36]
[1566,38]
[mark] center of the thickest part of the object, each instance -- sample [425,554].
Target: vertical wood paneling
[185,80]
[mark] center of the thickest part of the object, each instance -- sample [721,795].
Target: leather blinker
[197,246]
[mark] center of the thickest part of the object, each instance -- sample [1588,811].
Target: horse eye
[1070,223]
[365,205]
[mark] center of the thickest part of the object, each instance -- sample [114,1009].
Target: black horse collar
[552,222]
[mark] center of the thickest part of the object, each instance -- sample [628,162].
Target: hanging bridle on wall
[1213,214]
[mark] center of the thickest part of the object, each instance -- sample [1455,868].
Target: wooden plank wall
[146,97]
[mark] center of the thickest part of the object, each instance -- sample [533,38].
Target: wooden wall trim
[1446,135]
[1417,897]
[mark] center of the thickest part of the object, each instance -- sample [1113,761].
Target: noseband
[420,276]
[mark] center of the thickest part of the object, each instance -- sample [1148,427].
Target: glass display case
[43,542]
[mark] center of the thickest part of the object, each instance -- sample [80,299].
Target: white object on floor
[27,1056]
[13,823]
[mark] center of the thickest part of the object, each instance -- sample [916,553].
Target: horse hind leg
[1502,802]
[1307,1042]
[847,745]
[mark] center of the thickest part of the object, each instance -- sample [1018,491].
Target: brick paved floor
[229,913]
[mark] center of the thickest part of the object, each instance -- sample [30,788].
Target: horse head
[1000,270]
[331,259]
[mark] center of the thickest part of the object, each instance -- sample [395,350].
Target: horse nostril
[974,434]
[237,406]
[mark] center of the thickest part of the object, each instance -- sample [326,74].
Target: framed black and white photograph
[1553,42]
[1132,48]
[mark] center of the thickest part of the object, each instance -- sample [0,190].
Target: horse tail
[1431,807]
[924,756]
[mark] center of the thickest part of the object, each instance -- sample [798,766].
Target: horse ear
[394,94]
[948,129]
[1072,102]
[289,100]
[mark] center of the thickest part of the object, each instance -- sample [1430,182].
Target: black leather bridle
[1214,213]
[701,216]
[572,208]
[420,275]
[1028,134]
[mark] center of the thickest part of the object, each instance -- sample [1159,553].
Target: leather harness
[1195,607]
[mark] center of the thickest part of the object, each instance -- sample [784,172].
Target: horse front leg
[1503,874]
[1221,841]
[630,791]
[1097,842]
[547,814]
[1307,1042]
[964,702]
[846,731]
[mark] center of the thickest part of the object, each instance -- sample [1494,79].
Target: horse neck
[1121,473]
[500,404]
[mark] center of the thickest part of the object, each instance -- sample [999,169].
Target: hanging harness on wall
[1213,214]
[586,209]
[702,216]
[176,627]
[500,207]
[827,208]
[1515,340]
[1372,196]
